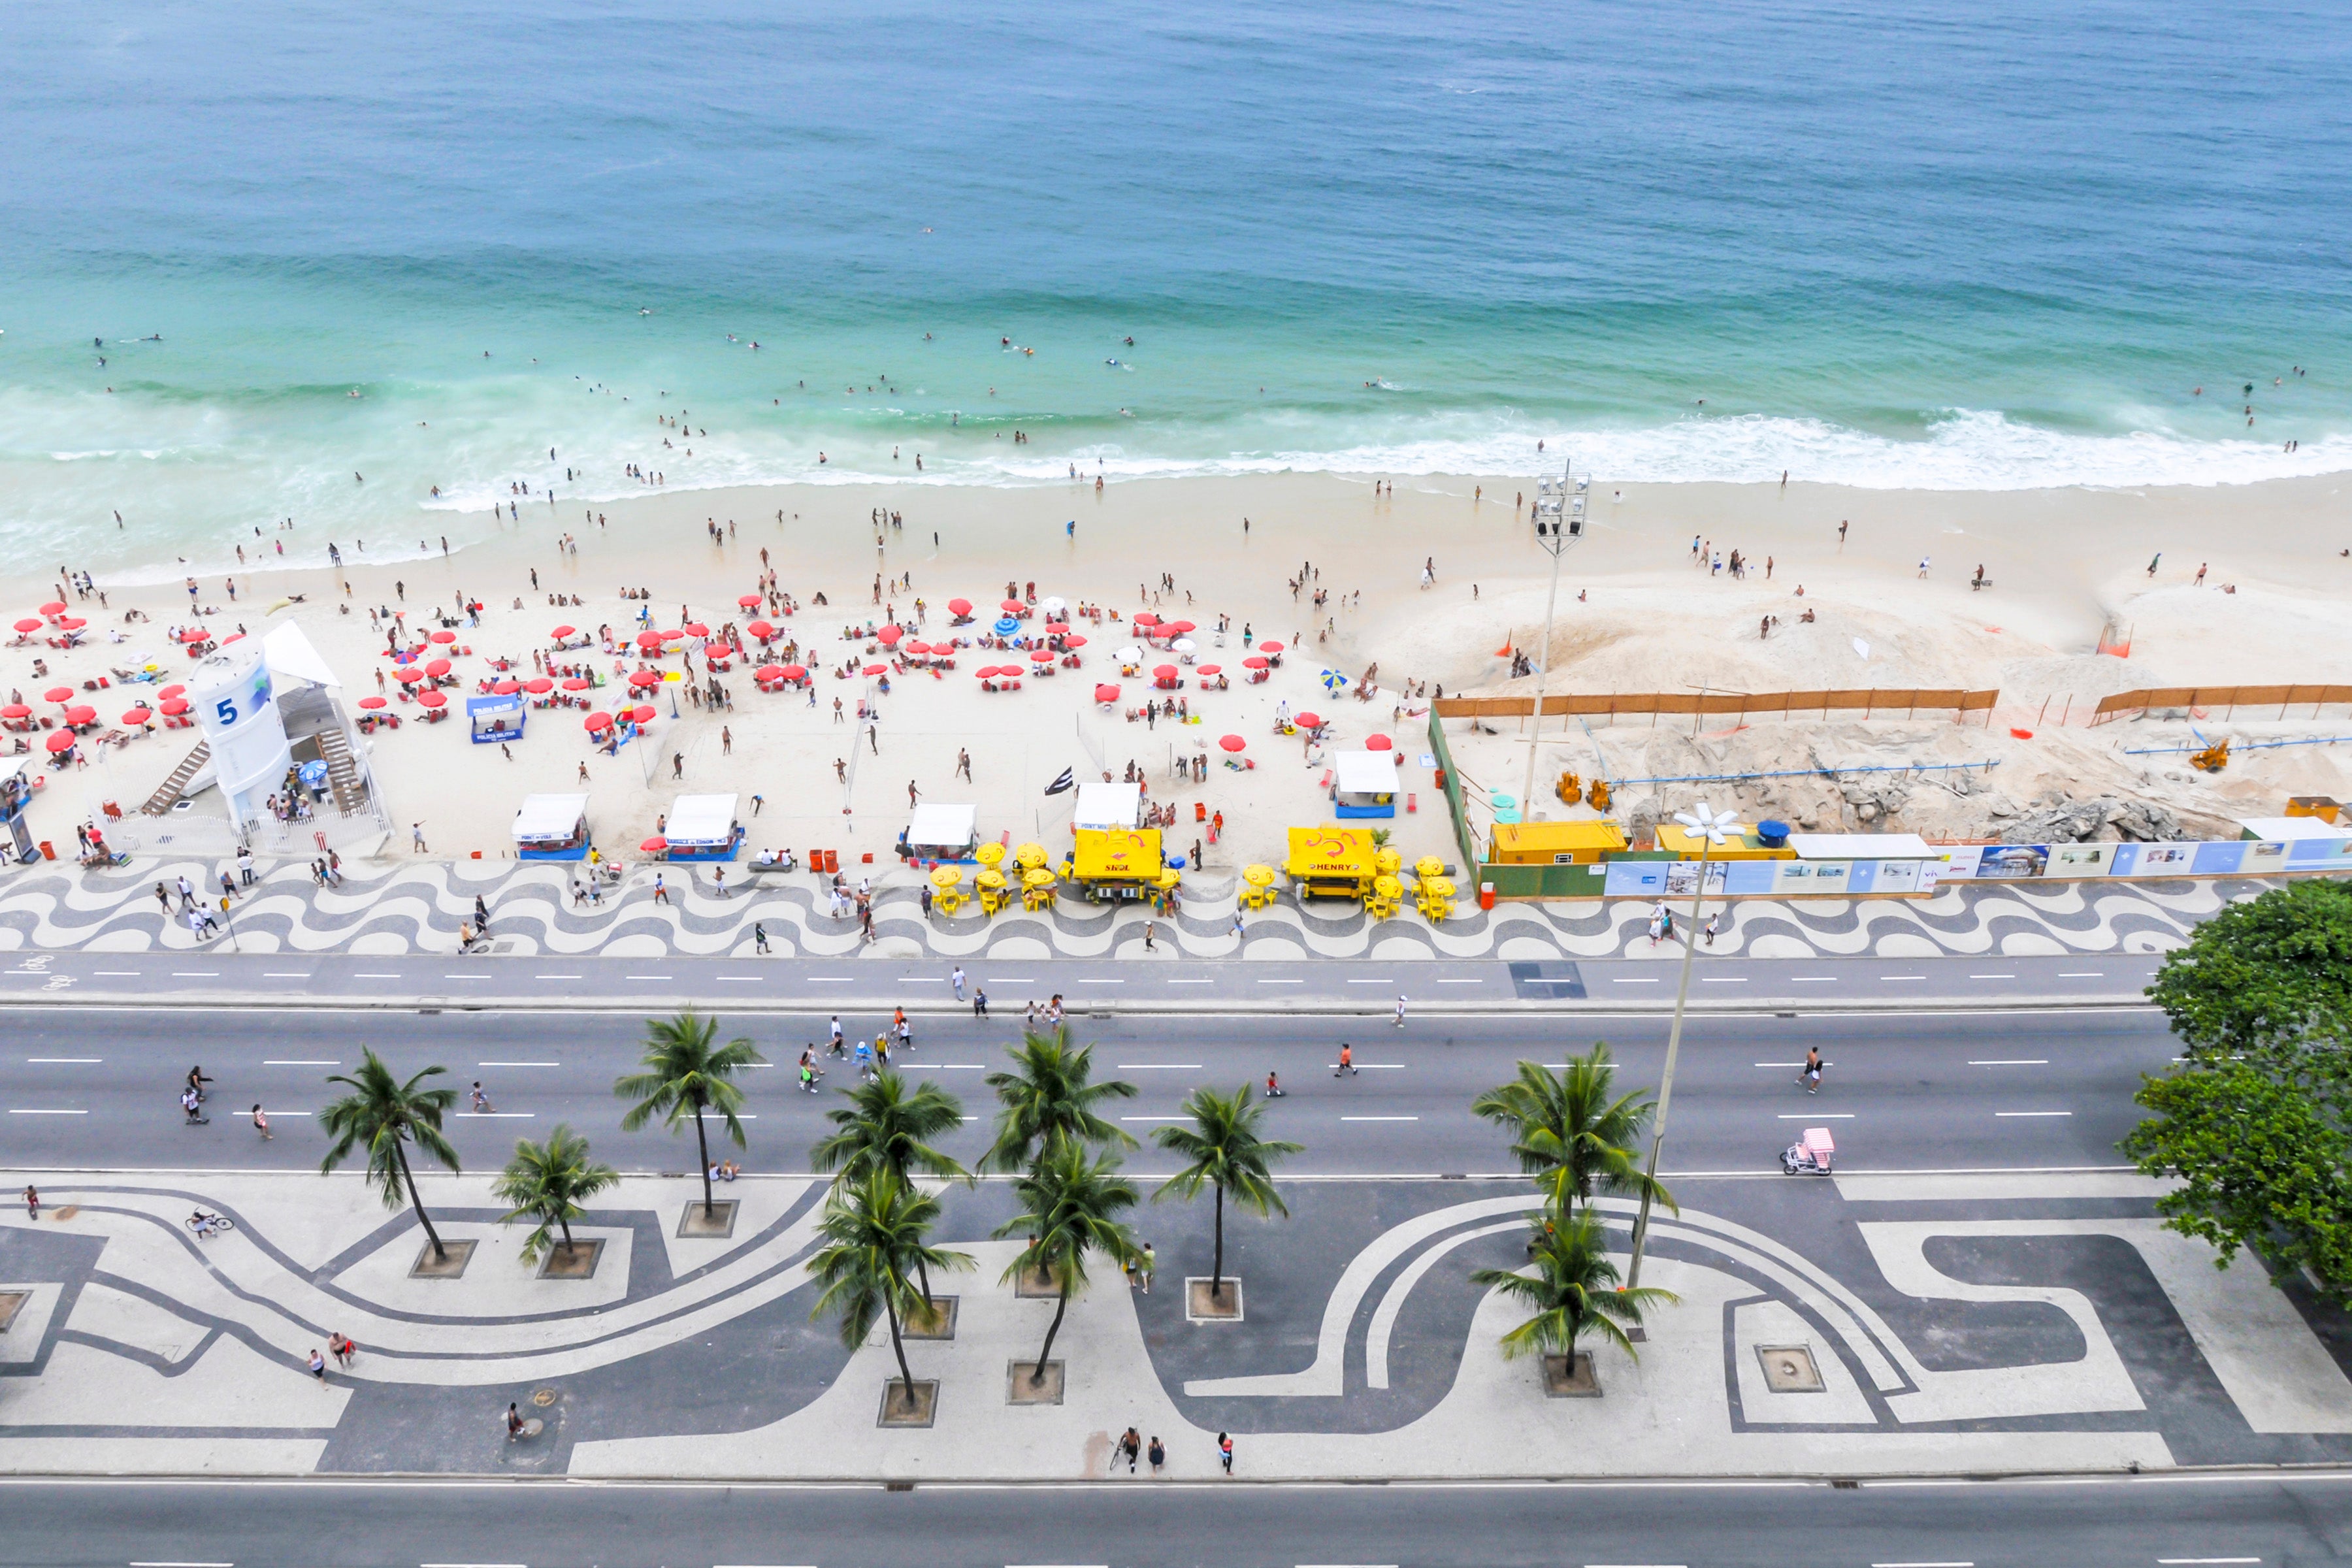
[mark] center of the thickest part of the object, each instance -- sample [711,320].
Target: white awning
[288,652]
[1365,773]
[2279,829]
[1863,847]
[944,827]
[1108,806]
[696,820]
[546,817]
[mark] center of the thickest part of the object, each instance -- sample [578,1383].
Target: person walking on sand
[2154,563]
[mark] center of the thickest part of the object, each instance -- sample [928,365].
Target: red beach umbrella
[1012,606]
[436,668]
[536,686]
[373,703]
[57,694]
[1233,742]
[1178,629]
[1253,662]
[643,713]
[696,629]
[505,687]
[748,601]
[82,713]
[888,635]
[763,630]
[174,705]
[650,640]
[922,649]
[431,699]
[654,845]
[1213,669]
[1163,672]
[445,638]
[54,607]
[408,677]
[877,669]
[985,673]
[560,633]
[1074,640]
[16,711]
[1144,618]
[598,722]
[170,691]
[61,742]
[1106,694]
[1269,647]
[1041,656]
[671,637]
[1379,743]
[71,622]
[1311,721]
[955,606]
[578,684]
[29,623]
[795,672]
[137,716]
[1056,628]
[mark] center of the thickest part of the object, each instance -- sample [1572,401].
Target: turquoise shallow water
[1882,246]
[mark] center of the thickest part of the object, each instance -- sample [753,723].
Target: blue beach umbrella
[1007,627]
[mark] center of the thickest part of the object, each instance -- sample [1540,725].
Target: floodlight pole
[1559,522]
[1674,1048]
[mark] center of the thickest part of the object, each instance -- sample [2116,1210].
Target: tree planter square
[11,1303]
[1019,1390]
[1203,1307]
[1563,1381]
[938,1323]
[715,1224]
[899,1409]
[1791,1369]
[1036,1285]
[450,1265]
[577,1261]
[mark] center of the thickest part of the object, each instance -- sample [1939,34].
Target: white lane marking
[645,977]
[2102,975]
[518,1064]
[1282,983]
[755,979]
[1159,1067]
[2034,1113]
[1379,1119]
[286,974]
[157,1564]
[372,976]
[494,1115]
[1464,980]
[1992,977]
[811,979]
[1813,980]
[2011,1062]
[65,1058]
[1952,1564]
[1191,982]
[1903,977]
[2172,1561]
[959,1066]
[1723,980]
[117,974]
[207,975]
[465,977]
[1085,982]
[1641,980]
[1371,981]
[1155,1118]
[14,1111]
[559,977]
[298,1062]
[971,1118]
[1818,1116]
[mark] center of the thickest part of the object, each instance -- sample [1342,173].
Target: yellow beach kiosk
[1331,862]
[1112,864]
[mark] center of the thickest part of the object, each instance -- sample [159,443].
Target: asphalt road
[2269,1520]
[1921,1090]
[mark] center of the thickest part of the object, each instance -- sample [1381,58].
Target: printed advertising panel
[2082,859]
[2012,862]
[1682,877]
[1815,879]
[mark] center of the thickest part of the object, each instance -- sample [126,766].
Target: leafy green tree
[549,1182]
[386,1116]
[1569,1287]
[1223,1150]
[1070,1209]
[1569,1135]
[886,1126]
[876,1232]
[2253,1119]
[1048,1097]
[688,1073]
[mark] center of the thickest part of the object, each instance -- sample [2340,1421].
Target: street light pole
[1559,522]
[1709,828]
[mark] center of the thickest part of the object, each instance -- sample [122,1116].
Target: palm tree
[874,1229]
[1225,1153]
[1569,1135]
[549,1182]
[387,1116]
[686,1075]
[1069,1207]
[1048,1098]
[886,1128]
[1573,1289]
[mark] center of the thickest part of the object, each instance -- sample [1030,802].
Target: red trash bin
[1486,895]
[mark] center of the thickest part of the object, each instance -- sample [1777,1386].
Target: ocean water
[1990,247]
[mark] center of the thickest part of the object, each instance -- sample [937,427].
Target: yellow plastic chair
[1387,862]
[1257,887]
[1029,857]
[1436,898]
[1037,889]
[993,894]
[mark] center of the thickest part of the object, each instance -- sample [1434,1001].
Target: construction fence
[1873,702]
[2201,702]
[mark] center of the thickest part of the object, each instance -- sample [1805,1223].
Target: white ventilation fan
[1715,827]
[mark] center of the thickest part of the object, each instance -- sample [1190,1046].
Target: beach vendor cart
[495,718]
[1364,783]
[1331,862]
[552,827]
[1111,865]
[1814,1153]
[935,834]
[703,827]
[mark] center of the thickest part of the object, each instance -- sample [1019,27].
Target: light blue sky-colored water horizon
[1882,246]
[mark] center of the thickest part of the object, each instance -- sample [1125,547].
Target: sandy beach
[1635,613]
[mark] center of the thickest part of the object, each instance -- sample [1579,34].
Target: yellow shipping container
[1676,840]
[1580,843]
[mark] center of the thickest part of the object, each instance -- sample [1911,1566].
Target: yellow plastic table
[990,856]
[1029,857]
[1257,887]
[1037,889]
[1437,898]
[1387,861]
[991,883]
[1428,866]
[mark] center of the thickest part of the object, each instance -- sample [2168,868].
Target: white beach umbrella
[1129,655]
[1182,645]
[1053,604]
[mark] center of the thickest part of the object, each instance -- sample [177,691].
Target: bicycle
[204,1223]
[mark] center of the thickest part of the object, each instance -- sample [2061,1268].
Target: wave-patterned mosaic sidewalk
[394,908]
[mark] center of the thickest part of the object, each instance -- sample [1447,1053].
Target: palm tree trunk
[566,1223]
[898,1348]
[1037,1373]
[924,1275]
[702,1142]
[1217,1267]
[400,1153]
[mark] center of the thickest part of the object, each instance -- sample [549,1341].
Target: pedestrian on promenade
[759,937]
[481,913]
[956,980]
[32,1203]
[261,1123]
[514,1422]
[193,1103]
[1712,920]
[1159,1454]
[1129,1447]
[187,895]
[1812,1074]
[661,890]
[317,1365]
[1149,930]
[1347,1067]
[1145,1267]
[342,1348]
[245,867]
[719,880]
[834,1027]
[1225,1451]
[979,1004]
